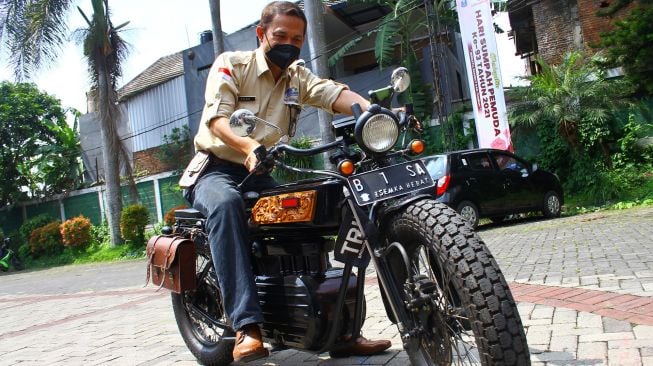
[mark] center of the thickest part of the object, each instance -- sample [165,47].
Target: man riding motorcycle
[271,84]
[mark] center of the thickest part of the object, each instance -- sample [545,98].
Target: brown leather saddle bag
[171,263]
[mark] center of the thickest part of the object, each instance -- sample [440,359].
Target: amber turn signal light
[346,167]
[417,147]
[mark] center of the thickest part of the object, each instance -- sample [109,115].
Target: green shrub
[154,230]
[133,220]
[76,232]
[35,222]
[46,239]
[24,251]
[287,176]
[100,234]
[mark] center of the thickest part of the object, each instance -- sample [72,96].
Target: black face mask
[283,55]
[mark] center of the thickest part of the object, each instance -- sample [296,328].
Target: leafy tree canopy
[39,154]
[629,45]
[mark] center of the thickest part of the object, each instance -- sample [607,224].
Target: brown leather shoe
[249,344]
[361,347]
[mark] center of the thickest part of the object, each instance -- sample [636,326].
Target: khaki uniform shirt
[243,80]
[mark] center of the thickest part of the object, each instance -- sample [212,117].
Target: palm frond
[36,32]
[10,11]
[384,44]
[333,59]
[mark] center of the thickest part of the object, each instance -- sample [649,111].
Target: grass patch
[92,254]
[639,195]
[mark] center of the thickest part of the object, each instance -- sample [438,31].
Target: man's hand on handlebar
[258,161]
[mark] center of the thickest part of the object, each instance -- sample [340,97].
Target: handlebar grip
[403,118]
[356,110]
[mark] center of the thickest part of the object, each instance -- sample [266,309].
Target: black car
[493,183]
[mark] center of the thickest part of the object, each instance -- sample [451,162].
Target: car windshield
[437,166]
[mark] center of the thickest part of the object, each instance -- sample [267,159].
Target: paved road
[584,287]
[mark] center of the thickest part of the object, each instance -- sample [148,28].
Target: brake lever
[415,124]
[411,120]
[264,165]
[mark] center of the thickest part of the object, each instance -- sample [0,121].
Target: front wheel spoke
[445,339]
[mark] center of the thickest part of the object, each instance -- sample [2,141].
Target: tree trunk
[314,10]
[111,153]
[605,149]
[218,40]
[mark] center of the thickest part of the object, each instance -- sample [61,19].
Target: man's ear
[259,33]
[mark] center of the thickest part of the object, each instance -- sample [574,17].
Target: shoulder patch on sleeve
[224,74]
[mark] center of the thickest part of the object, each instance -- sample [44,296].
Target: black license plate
[389,182]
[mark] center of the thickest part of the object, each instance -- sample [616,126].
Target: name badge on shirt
[246,98]
[291,96]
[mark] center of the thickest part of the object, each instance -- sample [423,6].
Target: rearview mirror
[243,122]
[400,79]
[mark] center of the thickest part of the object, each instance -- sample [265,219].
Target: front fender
[388,212]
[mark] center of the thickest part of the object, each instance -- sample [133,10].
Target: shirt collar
[262,64]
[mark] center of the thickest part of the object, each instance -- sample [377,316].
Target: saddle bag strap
[149,263]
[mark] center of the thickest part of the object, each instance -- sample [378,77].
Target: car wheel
[551,205]
[469,212]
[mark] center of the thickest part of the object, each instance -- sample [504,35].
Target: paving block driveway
[584,287]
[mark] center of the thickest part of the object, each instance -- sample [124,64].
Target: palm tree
[105,51]
[35,30]
[395,32]
[575,98]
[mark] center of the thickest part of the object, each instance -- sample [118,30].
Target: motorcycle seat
[188,213]
[191,213]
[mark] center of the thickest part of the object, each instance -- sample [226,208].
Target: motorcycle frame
[373,245]
[378,257]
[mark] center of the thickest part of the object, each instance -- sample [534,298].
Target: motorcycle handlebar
[305,152]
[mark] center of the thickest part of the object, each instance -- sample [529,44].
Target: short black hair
[281,8]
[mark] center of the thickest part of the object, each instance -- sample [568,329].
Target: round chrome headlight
[380,133]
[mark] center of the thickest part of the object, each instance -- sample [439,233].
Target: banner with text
[483,73]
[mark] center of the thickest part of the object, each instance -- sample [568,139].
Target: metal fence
[159,193]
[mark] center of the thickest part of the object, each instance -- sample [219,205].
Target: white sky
[157,28]
[161,27]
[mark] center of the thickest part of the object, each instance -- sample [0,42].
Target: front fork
[407,330]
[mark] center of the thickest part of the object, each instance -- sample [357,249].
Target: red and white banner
[484,74]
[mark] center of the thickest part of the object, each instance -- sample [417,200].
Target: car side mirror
[534,167]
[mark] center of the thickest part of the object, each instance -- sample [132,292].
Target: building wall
[557,28]
[594,25]
[154,113]
[148,162]
[90,137]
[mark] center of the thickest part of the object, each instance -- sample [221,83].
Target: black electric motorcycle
[439,282]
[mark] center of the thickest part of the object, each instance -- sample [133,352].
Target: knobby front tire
[460,303]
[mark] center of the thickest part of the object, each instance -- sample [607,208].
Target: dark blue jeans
[215,195]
